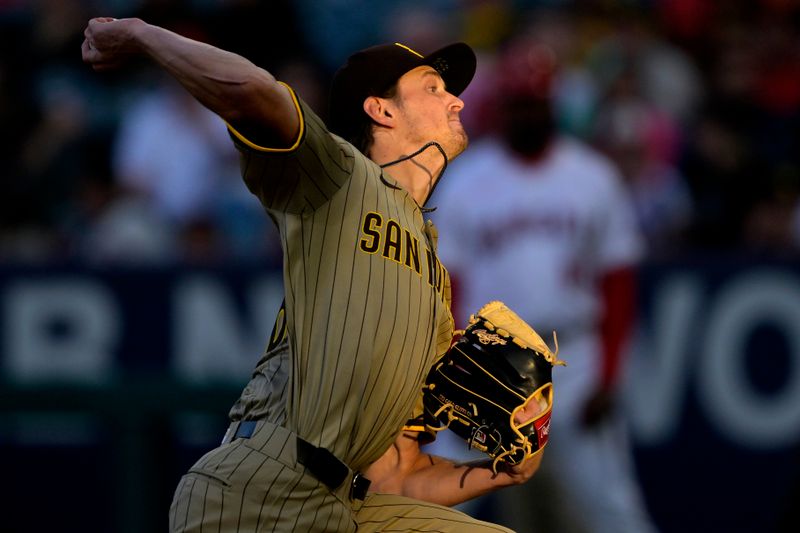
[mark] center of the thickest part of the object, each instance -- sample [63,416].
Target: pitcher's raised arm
[243,94]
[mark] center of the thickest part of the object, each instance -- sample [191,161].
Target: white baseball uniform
[538,236]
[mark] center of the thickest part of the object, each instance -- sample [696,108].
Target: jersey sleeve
[303,177]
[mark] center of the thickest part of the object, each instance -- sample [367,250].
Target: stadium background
[138,282]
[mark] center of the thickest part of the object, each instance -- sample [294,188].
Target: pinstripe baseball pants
[256,484]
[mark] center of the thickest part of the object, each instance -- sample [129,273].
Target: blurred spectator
[717,82]
[721,168]
[333,27]
[152,205]
[487,23]
[777,139]
[720,161]
[56,28]
[125,231]
[544,223]
[50,161]
[305,78]
[570,34]
[428,28]
[43,110]
[642,141]
[178,167]
[666,76]
[173,152]
[741,156]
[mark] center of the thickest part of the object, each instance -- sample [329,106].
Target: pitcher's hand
[109,42]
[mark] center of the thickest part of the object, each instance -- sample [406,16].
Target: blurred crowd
[696,101]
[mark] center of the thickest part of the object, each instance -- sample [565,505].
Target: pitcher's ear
[378,110]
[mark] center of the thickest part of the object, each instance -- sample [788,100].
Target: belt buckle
[359,486]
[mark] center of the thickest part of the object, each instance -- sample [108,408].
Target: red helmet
[526,68]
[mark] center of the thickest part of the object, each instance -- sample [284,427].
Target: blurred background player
[544,223]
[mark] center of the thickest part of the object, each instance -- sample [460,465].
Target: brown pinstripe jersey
[366,299]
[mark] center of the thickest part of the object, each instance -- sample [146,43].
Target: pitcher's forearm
[240,92]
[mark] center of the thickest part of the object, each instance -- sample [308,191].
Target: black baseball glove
[492,373]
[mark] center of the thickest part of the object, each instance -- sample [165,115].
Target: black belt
[322,464]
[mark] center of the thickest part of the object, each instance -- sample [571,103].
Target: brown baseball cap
[372,71]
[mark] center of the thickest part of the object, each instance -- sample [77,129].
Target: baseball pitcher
[320,439]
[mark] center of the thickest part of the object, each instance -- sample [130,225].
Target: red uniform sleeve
[618,289]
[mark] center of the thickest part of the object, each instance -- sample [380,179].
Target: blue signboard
[712,388]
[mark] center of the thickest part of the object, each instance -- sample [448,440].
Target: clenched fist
[109,42]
